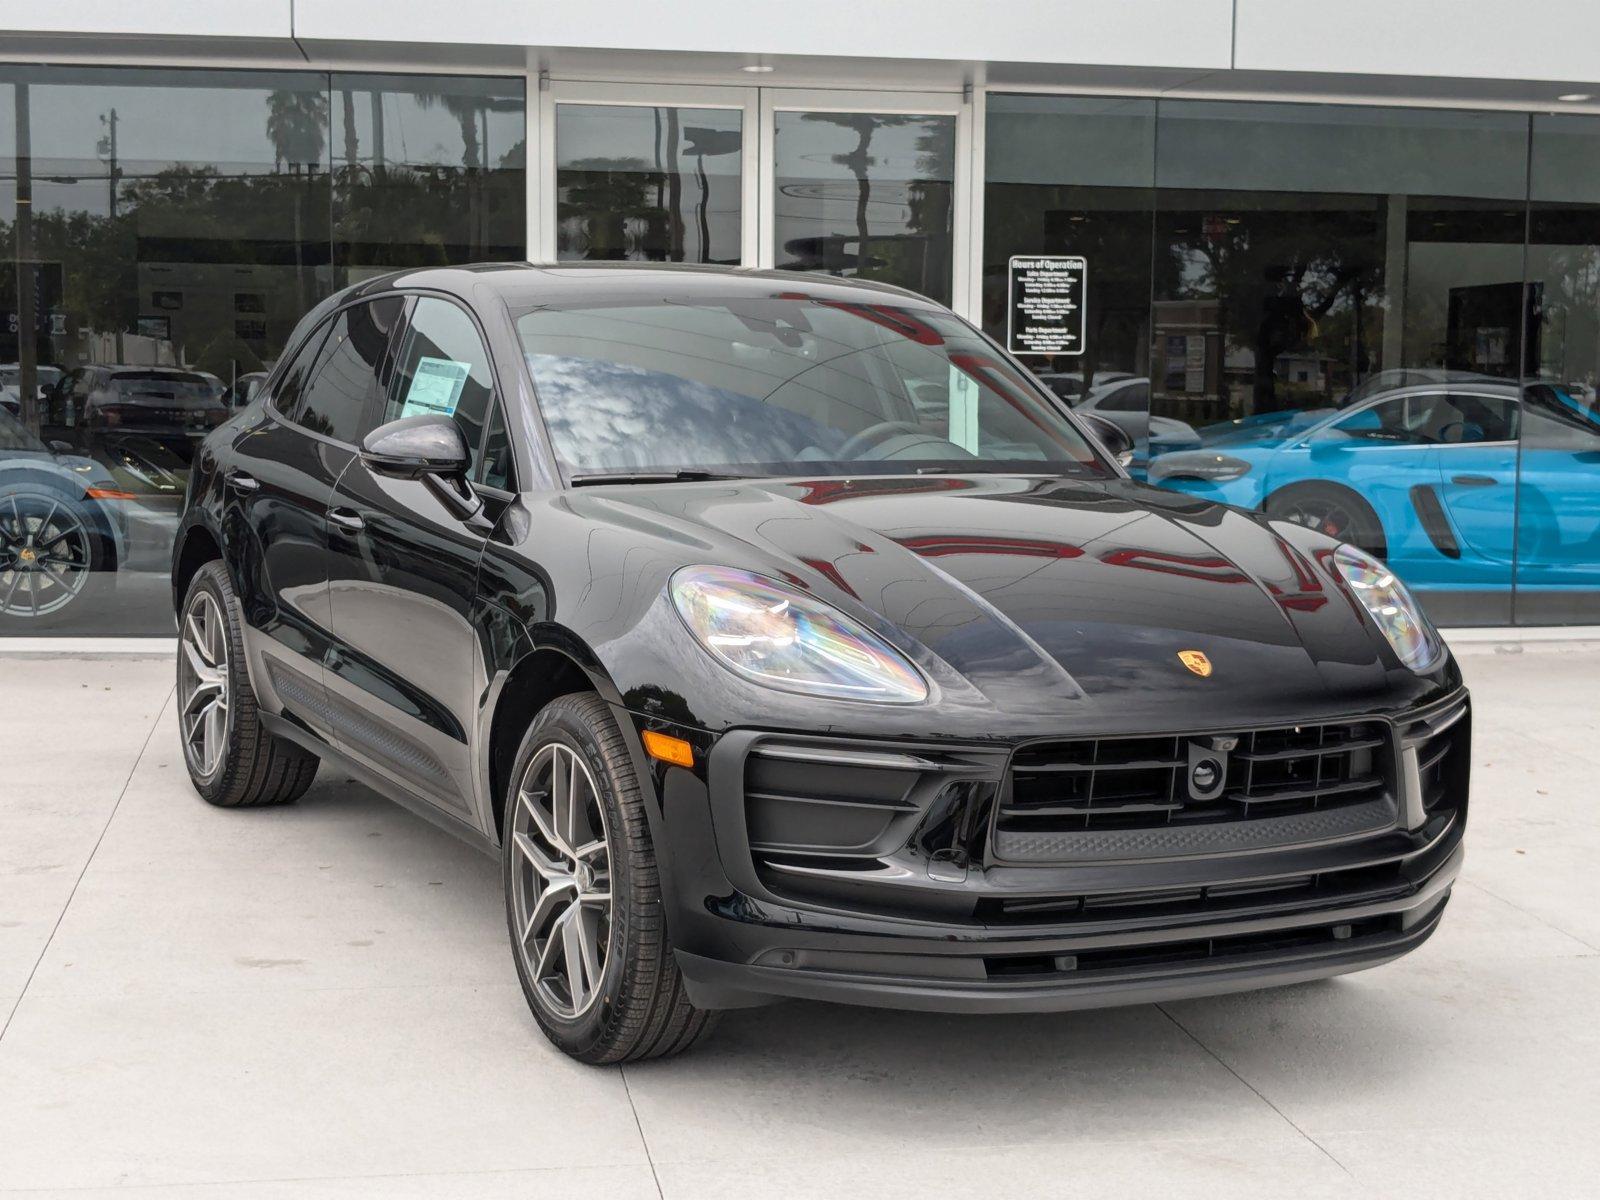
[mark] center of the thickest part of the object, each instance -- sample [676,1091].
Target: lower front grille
[1336,888]
[1086,785]
[1125,958]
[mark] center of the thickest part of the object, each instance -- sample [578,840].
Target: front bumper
[899,927]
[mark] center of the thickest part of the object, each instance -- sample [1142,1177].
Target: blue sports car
[1425,475]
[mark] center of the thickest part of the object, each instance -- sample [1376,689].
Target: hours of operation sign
[1047,304]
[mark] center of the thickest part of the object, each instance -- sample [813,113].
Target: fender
[511,649]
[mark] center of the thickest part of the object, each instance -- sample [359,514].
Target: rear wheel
[233,760]
[1333,510]
[583,894]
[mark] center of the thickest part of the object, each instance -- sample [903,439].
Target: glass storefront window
[649,184]
[868,195]
[1071,175]
[1309,258]
[427,171]
[161,232]
[1338,324]
[1558,492]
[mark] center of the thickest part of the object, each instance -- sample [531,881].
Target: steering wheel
[873,434]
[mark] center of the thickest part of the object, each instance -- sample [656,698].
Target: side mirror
[428,448]
[412,447]
[1109,434]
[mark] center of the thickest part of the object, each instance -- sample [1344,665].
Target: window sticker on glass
[435,387]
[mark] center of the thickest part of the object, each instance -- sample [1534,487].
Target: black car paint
[1036,606]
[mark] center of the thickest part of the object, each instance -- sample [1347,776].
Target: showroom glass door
[868,185]
[648,174]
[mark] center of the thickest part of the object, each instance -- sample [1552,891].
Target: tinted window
[443,368]
[1133,398]
[1397,421]
[1429,418]
[1463,417]
[345,376]
[287,398]
[1559,420]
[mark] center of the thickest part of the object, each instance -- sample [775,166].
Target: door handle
[347,518]
[243,481]
[1474,480]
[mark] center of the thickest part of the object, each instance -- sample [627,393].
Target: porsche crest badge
[1196,661]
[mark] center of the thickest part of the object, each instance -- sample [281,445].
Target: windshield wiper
[685,476]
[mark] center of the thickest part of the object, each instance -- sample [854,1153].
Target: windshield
[787,384]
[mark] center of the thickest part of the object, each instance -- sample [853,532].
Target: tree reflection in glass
[622,172]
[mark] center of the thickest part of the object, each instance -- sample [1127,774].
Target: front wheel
[583,894]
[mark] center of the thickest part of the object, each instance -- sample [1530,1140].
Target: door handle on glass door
[1474,480]
[347,518]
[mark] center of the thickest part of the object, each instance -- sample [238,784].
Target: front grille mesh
[1098,784]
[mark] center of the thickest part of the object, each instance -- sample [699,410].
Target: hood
[1050,595]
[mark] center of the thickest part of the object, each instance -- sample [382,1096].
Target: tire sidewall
[213,580]
[561,722]
[1373,537]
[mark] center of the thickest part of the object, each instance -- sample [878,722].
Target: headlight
[1198,464]
[785,639]
[1393,608]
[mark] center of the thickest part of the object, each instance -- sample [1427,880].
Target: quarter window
[287,396]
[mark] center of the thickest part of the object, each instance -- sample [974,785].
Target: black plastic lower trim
[715,984]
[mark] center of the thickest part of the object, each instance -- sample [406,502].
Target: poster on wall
[1047,304]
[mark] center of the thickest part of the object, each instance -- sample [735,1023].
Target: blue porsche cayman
[1426,476]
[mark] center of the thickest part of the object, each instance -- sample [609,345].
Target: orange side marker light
[668,749]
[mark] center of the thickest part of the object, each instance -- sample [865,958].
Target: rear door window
[287,397]
[344,380]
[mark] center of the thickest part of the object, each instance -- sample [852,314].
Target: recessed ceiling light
[766,69]
[1568,97]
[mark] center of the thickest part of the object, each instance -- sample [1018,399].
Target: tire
[55,555]
[630,1002]
[233,761]
[1333,510]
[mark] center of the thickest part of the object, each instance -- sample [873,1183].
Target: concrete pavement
[319,1001]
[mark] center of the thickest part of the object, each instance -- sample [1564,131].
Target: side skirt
[285,728]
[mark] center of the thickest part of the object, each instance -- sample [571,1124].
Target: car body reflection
[1426,474]
[63,528]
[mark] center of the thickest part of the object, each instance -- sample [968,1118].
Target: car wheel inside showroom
[786,638]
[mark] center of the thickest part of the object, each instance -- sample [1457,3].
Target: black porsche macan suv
[784,638]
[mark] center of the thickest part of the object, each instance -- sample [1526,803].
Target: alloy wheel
[1325,516]
[561,880]
[203,683]
[44,554]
